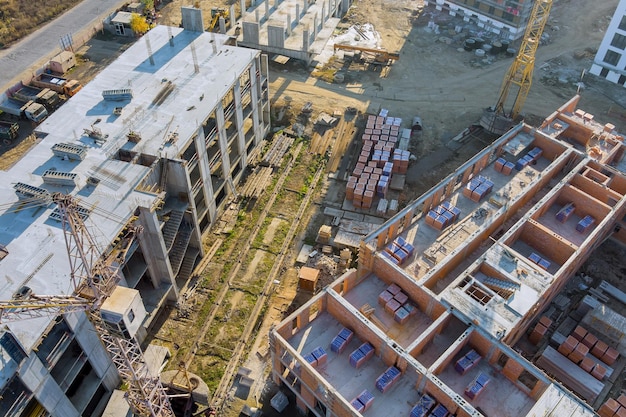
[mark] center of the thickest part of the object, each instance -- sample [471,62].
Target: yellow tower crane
[94,278]
[496,119]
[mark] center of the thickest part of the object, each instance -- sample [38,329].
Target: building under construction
[453,292]
[505,18]
[159,139]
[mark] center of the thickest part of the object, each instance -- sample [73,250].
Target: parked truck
[30,110]
[56,83]
[8,132]
[50,99]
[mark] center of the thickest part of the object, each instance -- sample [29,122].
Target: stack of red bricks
[613,408]
[376,161]
[580,343]
[540,330]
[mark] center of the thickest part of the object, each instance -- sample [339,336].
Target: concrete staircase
[171,228]
[179,247]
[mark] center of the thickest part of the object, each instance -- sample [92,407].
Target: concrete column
[297,13]
[323,14]
[36,378]
[288,24]
[231,15]
[267,9]
[151,242]
[305,39]
[221,131]
[205,172]
[330,9]
[276,3]
[242,5]
[241,140]
[254,97]
[315,26]
[256,15]
[222,24]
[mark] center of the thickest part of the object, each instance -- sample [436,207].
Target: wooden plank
[570,374]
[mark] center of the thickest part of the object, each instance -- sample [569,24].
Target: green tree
[138,24]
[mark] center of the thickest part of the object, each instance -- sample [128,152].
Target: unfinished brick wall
[585,204]
[361,330]
[595,190]
[549,243]
[551,149]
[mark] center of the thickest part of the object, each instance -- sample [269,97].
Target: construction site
[300,211]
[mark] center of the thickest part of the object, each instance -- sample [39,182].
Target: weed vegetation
[19,18]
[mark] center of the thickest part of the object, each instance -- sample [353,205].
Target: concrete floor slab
[350,381]
[366,292]
[568,229]
[500,397]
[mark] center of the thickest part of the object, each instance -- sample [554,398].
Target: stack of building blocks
[609,408]
[363,401]
[311,360]
[384,297]
[320,355]
[538,333]
[392,305]
[340,342]
[390,257]
[396,302]
[565,213]
[613,408]
[423,406]
[442,216]
[535,153]
[440,411]
[406,246]
[597,347]
[375,163]
[585,224]
[504,166]
[400,161]
[361,355]
[399,252]
[541,262]
[524,161]
[387,379]
[477,188]
[477,386]
[467,362]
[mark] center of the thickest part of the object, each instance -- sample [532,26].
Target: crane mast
[520,73]
[95,277]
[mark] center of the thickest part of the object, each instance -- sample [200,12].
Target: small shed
[307,278]
[62,63]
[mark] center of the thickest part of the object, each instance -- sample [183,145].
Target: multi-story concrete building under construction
[159,139]
[456,306]
[506,18]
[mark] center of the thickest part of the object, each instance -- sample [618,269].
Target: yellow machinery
[95,277]
[379,56]
[496,119]
[216,13]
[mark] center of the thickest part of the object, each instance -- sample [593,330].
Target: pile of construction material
[379,159]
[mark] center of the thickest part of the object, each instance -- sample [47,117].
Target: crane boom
[95,276]
[520,73]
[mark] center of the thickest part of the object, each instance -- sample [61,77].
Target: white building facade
[610,61]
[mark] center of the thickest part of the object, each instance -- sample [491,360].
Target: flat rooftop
[168,95]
